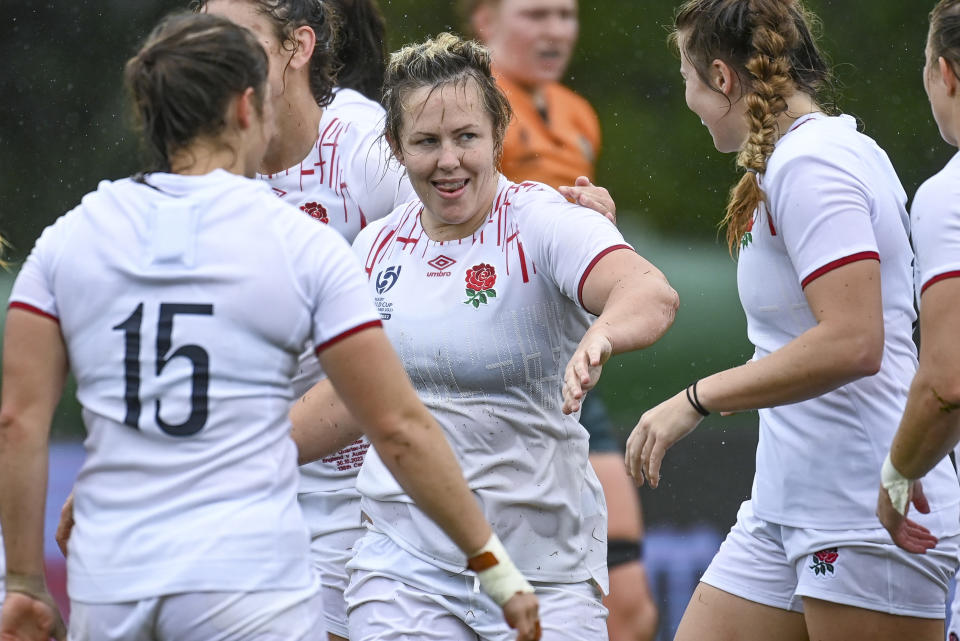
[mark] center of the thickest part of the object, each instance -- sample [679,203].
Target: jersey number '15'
[200,380]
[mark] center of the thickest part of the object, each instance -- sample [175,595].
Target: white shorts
[415,600]
[777,565]
[270,615]
[953,629]
[333,519]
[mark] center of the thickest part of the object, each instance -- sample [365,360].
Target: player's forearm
[321,423]
[930,426]
[442,494]
[23,490]
[818,361]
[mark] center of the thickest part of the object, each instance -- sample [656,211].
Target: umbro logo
[441,262]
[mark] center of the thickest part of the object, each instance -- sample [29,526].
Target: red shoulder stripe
[33,310]
[593,263]
[938,278]
[346,334]
[840,262]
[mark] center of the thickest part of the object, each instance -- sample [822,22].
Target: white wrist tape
[896,485]
[499,577]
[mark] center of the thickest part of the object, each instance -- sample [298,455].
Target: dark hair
[184,76]
[362,49]
[771,46]
[289,15]
[440,61]
[945,32]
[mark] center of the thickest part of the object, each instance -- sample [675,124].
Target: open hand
[906,533]
[585,193]
[659,428]
[583,370]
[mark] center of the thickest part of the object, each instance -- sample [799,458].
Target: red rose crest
[316,210]
[824,560]
[954,637]
[480,281]
[747,237]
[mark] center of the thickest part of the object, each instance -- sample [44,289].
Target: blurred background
[64,127]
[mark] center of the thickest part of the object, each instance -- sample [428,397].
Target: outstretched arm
[636,306]
[844,345]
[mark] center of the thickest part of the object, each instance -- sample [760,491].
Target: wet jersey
[485,326]
[184,304]
[347,180]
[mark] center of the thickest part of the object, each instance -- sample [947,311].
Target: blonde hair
[445,59]
[770,45]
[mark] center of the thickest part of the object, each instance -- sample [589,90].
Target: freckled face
[726,122]
[447,146]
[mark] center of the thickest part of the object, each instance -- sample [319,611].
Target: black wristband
[695,400]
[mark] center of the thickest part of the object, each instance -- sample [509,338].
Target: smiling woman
[449,145]
[501,346]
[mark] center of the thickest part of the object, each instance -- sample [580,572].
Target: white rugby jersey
[834,199]
[347,180]
[184,306]
[935,228]
[485,326]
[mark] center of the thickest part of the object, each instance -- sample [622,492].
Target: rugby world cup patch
[824,561]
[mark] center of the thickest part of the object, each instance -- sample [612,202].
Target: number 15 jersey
[184,304]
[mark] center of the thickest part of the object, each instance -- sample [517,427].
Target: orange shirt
[553,151]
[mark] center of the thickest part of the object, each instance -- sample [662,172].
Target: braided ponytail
[771,41]
[769,69]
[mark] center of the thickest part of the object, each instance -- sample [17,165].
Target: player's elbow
[13,429]
[660,308]
[865,353]
[396,434]
[943,384]
[668,302]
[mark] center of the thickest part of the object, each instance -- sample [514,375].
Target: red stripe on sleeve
[840,262]
[593,263]
[347,334]
[938,278]
[33,310]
